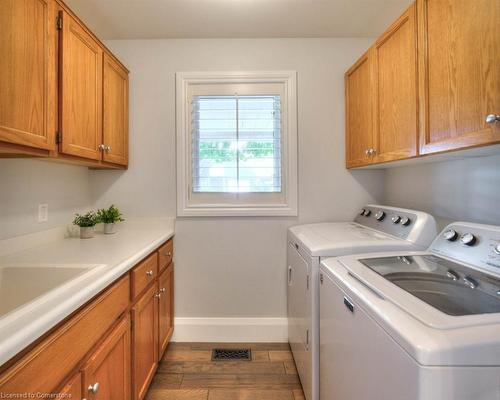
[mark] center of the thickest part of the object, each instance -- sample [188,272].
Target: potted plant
[86,223]
[109,217]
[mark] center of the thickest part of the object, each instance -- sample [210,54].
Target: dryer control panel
[474,244]
[394,221]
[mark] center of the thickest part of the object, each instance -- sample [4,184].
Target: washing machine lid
[448,286]
[430,336]
[341,238]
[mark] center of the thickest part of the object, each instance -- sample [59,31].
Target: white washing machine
[414,325]
[376,228]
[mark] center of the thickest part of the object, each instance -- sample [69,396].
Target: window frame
[241,204]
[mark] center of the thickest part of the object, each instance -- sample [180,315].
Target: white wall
[466,190]
[25,183]
[235,267]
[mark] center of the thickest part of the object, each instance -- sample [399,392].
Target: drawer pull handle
[149,273]
[94,388]
[348,304]
[492,118]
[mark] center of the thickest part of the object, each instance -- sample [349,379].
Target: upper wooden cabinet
[359,112]
[62,94]
[395,100]
[81,91]
[115,112]
[28,73]
[435,78]
[459,73]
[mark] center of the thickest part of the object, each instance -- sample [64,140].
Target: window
[236,144]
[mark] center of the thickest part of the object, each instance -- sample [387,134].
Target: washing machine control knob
[405,221]
[497,248]
[396,219]
[380,215]
[468,239]
[450,235]
[362,212]
[367,213]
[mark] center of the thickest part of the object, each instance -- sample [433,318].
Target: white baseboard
[230,330]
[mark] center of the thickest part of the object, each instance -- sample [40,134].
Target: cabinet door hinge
[59,23]
[58,137]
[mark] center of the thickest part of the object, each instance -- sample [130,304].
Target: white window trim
[289,205]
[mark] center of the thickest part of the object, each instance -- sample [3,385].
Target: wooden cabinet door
[359,112]
[81,91]
[144,342]
[115,112]
[395,96]
[106,375]
[459,66]
[165,309]
[73,389]
[28,78]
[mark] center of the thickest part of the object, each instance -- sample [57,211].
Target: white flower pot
[86,232]
[110,228]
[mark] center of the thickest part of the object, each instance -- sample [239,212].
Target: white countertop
[110,255]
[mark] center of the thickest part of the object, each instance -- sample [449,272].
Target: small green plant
[86,220]
[110,215]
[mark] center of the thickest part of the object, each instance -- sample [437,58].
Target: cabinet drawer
[143,274]
[165,254]
[44,368]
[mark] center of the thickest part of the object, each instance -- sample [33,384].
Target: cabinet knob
[163,290]
[169,253]
[94,388]
[149,273]
[492,118]
[367,152]
[101,147]
[158,295]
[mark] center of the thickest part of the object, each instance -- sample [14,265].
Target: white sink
[20,285]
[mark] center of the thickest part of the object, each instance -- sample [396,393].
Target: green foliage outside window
[222,151]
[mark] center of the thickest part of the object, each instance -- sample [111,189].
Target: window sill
[237,212]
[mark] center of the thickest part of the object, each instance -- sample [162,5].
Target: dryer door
[299,314]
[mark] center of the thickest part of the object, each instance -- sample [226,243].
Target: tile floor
[186,372]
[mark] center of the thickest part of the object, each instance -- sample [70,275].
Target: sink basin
[20,285]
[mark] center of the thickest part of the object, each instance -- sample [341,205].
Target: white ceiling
[150,19]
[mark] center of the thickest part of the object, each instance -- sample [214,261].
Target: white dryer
[375,228]
[414,325]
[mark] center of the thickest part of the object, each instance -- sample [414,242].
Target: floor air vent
[231,355]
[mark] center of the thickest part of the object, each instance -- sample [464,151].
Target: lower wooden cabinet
[166,308]
[106,375]
[109,348]
[72,389]
[145,341]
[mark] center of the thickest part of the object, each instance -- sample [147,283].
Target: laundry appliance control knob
[468,239]
[396,219]
[497,248]
[380,215]
[405,221]
[367,213]
[450,235]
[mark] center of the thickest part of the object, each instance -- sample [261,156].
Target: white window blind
[236,144]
